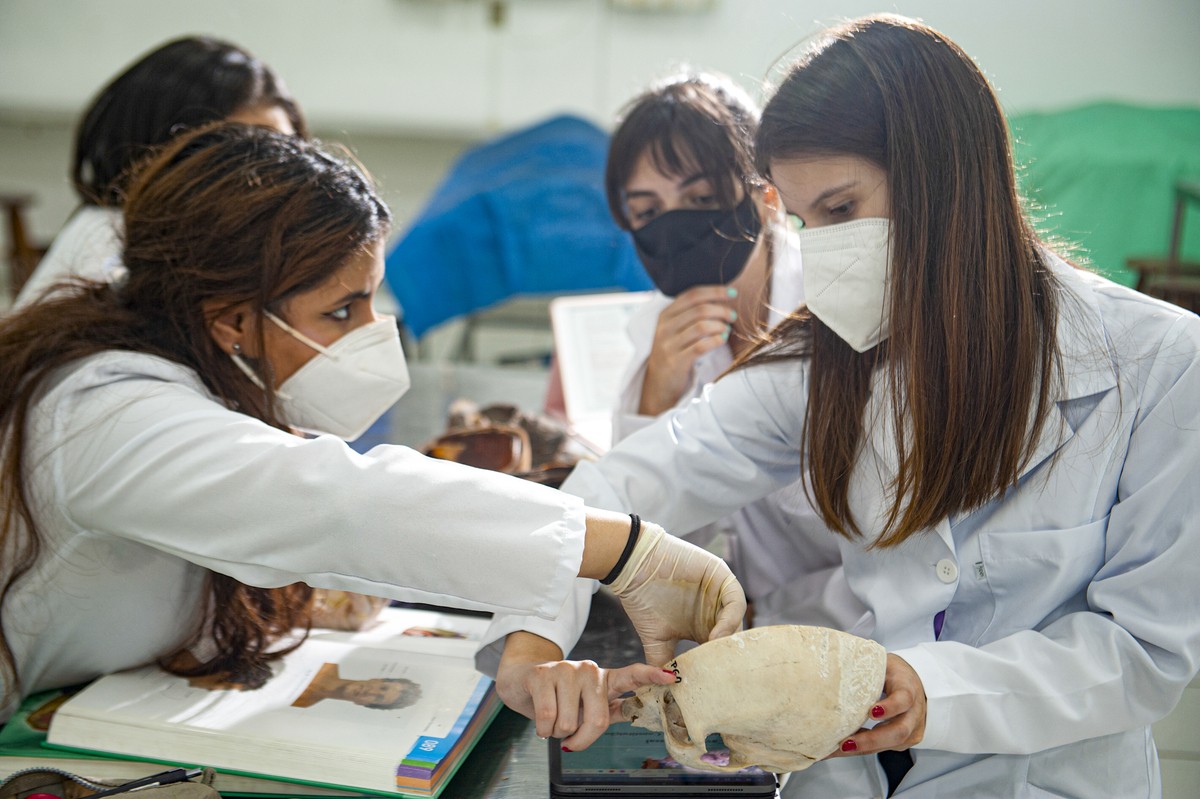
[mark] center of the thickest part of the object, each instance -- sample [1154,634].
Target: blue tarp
[521,214]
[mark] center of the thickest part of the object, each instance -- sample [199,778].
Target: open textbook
[22,747]
[392,710]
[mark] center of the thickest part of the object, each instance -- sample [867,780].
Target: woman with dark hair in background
[1006,445]
[155,503]
[714,237]
[180,85]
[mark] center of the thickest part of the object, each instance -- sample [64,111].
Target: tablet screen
[631,761]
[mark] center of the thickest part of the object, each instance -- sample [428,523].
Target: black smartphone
[633,763]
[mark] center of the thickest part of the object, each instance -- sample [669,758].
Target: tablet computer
[631,762]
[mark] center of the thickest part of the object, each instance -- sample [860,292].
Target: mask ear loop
[241,364]
[253,376]
[296,334]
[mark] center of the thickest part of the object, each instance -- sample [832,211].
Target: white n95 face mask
[846,280]
[348,385]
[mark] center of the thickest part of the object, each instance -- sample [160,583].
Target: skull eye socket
[676,726]
[633,708]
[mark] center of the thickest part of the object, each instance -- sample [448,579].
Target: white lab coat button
[946,570]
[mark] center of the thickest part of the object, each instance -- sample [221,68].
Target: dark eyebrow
[699,176]
[688,181]
[351,297]
[825,195]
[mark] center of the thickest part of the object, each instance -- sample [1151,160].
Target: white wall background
[409,83]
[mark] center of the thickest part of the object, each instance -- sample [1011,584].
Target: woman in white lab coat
[156,502]
[179,85]
[1008,446]
[680,177]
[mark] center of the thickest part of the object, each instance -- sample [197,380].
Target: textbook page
[370,712]
[593,351]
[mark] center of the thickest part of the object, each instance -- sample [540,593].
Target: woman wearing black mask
[715,241]
[680,177]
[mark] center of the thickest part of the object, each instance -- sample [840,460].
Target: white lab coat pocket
[1036,576]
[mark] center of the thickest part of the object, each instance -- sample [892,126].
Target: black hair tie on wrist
[635,527]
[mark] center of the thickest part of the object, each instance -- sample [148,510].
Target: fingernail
[668,671]
[733,316]
[568,749]
[877,711]
[732,291]
[848,746]
[725,334]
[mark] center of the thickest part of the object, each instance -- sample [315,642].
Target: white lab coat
[142,482]
[785,557]
[89,245]
[1072,617]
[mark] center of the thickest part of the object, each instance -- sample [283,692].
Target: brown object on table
[23,254]
[499,448]
[502,438]
[1171,278]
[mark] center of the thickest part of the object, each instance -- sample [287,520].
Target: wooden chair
[1173,279]
[23,253]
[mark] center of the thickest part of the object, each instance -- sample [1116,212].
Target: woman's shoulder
[89,245]
[91,235]
[93,220]
[1133,326]
[1124,309]
[114,371]
[90,395]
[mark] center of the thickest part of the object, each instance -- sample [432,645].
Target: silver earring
[237,349]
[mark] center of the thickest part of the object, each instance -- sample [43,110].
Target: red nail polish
[877,711]
[668,671]
[849,746]
[565,749]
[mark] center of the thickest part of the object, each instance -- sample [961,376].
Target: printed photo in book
[392,710]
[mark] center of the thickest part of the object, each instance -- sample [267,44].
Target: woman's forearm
[607,533]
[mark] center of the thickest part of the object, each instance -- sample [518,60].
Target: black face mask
[681,249]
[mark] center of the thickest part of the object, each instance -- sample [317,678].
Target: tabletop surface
[510,761]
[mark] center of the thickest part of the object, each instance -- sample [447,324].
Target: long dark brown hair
[224,215]
[973,303]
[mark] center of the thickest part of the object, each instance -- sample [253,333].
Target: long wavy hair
[180,85]
[971,360]
[224,215]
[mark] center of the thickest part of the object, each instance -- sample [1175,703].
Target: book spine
[428,752]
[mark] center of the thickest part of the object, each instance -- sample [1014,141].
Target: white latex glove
[673,591]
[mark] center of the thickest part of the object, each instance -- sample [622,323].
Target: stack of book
[391,710]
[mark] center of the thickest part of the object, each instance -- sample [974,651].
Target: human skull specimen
[782,697]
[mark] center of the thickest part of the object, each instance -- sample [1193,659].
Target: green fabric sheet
[1101,179]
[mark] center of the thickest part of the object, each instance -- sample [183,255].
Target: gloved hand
[673,591]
